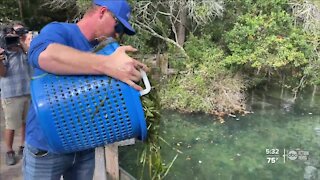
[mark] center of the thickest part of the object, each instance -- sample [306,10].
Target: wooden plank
[112,161]
[164,64]
[107,161]
[127,142]
[100,169]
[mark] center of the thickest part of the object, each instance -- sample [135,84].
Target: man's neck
[86,26]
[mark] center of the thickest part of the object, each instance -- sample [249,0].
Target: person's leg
[12,109]
[43,165]
[83,166]
[10,154]
[11,116]
[8,138]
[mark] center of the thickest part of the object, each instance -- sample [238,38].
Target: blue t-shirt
[61,33]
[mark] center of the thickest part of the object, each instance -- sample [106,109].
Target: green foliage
[9,10]
[151,152]
[236,9]
[150,157]
[142,41]
[207,86]
[256,6]
[181,97]
[202,51]
[312,70]
[83,5]
[267,42]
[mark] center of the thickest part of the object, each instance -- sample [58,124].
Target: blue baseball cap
[121,10]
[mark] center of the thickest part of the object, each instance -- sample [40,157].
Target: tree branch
[154,33]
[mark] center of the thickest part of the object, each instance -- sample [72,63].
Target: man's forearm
[63,60]
[3,70]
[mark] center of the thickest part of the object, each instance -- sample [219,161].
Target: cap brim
[128,28]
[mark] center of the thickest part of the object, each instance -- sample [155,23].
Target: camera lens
[21,31]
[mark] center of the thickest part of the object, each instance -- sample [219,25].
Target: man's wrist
[2,63]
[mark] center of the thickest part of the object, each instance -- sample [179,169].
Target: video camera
[11,38]
[21,31]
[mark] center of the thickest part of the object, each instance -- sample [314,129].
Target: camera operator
[15,78]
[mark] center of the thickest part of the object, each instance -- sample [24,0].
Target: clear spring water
[238,149]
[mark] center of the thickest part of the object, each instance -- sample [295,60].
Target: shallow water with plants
[279,140]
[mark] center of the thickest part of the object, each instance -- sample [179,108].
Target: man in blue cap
[65,49]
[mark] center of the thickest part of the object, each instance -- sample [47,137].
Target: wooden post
[163,60]
[100,167]
[112,161]
[158,60]
[107,161]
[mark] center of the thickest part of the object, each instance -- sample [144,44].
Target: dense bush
[267,43]
[206,86]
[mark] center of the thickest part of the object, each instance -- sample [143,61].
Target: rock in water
[310,173]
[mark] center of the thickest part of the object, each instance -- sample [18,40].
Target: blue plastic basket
[82,112]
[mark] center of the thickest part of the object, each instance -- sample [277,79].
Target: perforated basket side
[86,112]
[82,112]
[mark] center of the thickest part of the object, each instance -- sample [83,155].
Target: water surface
[251,147]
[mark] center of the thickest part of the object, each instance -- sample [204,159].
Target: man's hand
[25,41]
[125,68]
[3,70]
[2,56]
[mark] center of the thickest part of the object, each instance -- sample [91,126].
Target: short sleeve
[51,33]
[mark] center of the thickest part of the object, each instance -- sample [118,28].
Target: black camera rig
[21,31]
[11,36]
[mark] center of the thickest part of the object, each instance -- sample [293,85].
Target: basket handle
[146,83]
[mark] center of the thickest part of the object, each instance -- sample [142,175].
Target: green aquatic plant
[151,153]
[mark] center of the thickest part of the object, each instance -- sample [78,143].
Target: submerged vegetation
[151,154]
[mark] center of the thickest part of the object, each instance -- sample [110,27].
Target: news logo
[297,155]
[273,155]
